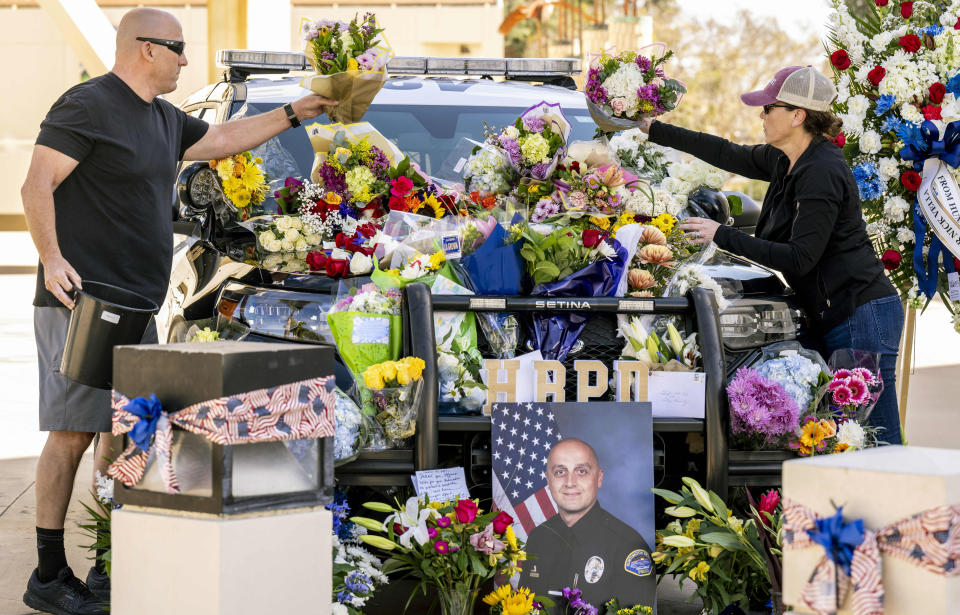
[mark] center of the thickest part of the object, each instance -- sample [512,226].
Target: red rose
[877,74]
[316,260]
[769,501]
[882,2]
[466,510]
[937,92]
[401,186]
[591,238]
[840,59]
[910,180]
[501,522]
[910,43]
[344,242]
[337,267]
[891,260]
[931,112]
[368,229]
[906,9]
[840,140]
[365,250]
[397,203]
[956,26]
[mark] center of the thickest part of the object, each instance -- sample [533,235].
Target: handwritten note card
[441,485]
[677,394]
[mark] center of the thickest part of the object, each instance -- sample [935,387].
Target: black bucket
[105,316]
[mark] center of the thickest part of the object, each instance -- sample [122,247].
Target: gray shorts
[66,405]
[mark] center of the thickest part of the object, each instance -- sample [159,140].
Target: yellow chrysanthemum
[495,597]
[602,222]
[665,222]
[352,64]
[518,603]
[436,260]
[699,572]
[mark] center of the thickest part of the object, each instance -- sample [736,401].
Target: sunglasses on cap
[768,108]
[174,46]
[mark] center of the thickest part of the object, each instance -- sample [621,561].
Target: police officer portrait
[584,545]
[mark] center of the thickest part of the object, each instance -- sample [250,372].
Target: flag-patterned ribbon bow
[287,412]
[930,539]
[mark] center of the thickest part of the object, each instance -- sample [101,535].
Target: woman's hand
[645,124]
[699,230]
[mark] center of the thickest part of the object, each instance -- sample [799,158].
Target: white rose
[511,132]
[272,260]
[313,239]
[301,244]
[291,234]
[266,237]
[296,223]
[339,254]
[273,246]
[282,223]
[361,263]
[870,142]
[287,245]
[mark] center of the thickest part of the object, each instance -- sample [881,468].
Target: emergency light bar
[279,61]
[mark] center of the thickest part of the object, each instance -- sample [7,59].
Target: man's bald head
[147,22]
[574,444]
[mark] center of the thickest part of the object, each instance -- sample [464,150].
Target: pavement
[932,420]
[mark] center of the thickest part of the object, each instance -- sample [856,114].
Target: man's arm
[230,138]
[48,168]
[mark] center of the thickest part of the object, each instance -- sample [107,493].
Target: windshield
[434,137]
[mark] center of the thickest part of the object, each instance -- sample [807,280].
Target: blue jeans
[876,327]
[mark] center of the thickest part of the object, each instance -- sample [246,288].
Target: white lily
[635,333]
[415,520]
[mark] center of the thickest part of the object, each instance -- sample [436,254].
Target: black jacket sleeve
[819,194]
[751,161]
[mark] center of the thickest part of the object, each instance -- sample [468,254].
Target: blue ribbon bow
[149,411]
[838,539]
[947,150]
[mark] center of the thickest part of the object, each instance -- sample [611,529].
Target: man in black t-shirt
[97,203]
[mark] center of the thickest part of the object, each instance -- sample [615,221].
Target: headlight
[198,186]
[749,323]
[284,314]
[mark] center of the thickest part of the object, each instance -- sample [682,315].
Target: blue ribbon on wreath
[947,150]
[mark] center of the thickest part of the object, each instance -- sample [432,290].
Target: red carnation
[882,2]
[591,238]
[891,260]
[397,203]
[877,74]
[337,267]
[401,186]
[910,43]
[937,92]
[840,59]
[931,112]
[501,522]
[911,180]
[316,260]
[906,9]
[840,140]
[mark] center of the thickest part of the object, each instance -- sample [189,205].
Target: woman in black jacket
[811,225]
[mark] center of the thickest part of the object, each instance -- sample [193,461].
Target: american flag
[523,434]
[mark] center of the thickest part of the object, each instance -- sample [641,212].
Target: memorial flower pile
[243,181]
[627,87]
[536,141]
[356,572]
[488,170]
[286,234]
[898,85]
[350,59]
[634,151]
[355,170]
[450,548]
[724,555]
[650,348]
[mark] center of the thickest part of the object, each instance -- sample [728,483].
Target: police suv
[431,108]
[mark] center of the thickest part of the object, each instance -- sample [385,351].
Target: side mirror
[706,203]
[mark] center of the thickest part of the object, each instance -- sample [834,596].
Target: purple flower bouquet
[762,413]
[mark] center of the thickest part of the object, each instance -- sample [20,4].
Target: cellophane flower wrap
[365,324]
[898,94]
[856,385]
[350,59]
[762,413]
[624,88]
[243,182]
[356,430]
[393,395]
[450,548]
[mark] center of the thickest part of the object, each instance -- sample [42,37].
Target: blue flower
[868,181]
[344,597]
[892,123]
[885,103]
[910,134]
[931,30]
[953,86]
[358,583]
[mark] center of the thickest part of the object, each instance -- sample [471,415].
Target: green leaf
[670,496]
[736,204]
[725,540]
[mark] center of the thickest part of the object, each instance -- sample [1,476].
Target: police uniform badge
[593,570]
[638,563]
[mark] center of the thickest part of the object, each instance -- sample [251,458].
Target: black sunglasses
[174,46]
[770,107]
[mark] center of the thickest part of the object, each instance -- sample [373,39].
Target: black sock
[99,565]
[50,554]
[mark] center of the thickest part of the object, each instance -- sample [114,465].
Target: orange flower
[653,254]
[641,293]
[829,428]
[332,198]
[641,279]
[653,235]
